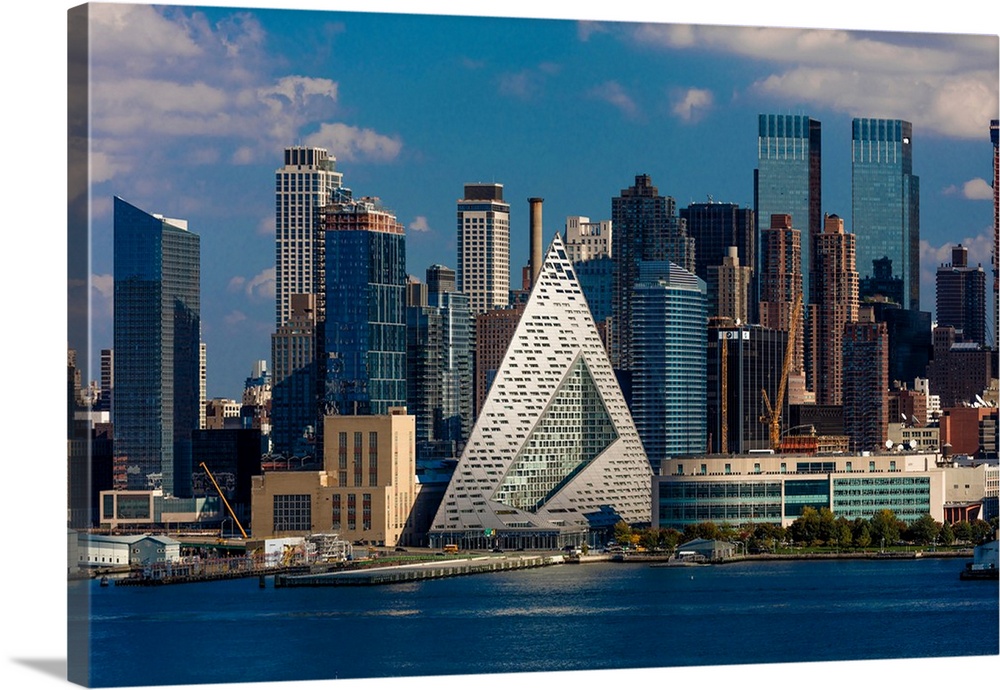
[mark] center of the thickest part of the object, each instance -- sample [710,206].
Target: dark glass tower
[365,335]
[787,180]
[886,200]
[157,329]
[440,381]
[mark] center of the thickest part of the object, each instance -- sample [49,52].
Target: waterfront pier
[417,571]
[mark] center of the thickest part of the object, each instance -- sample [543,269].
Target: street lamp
[222,527]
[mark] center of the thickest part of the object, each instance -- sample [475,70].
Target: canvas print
[407,346]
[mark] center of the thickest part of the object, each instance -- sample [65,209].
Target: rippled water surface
[592,616]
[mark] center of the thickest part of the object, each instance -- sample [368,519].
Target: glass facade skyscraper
[886,200]
[365,335]
[787,180]
[669,317]
[157,329]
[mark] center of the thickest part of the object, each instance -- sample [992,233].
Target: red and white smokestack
[535,204]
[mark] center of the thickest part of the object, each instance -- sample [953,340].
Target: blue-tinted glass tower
[157,329]
[788,181]
[669,327]
[886,200]
[365,334]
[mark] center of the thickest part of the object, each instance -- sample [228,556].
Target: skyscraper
[715,227]
[365,335]
[668,355]
[484,247]
[787,180]
[886,200]
[729,289]
[157,330]
[554,458]
[306,183]
[646,228]
[294,405]
[961,297]
[754,356]
[439,381]
[866,383]
[835,305]
[781,283]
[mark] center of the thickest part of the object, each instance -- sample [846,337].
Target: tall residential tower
[484,247]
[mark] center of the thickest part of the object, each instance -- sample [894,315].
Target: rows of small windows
[292,512]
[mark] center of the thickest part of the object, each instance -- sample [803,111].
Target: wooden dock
[410,573]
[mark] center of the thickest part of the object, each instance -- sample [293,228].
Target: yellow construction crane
[772,417]
[224,501]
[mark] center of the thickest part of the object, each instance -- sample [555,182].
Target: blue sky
[192,107]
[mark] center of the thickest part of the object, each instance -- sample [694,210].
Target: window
[292,512]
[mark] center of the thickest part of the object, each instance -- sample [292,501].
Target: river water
[567,617]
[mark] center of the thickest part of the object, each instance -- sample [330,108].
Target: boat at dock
[984,563]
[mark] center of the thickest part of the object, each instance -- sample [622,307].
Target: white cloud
[947,85]
[612,92]
[691,105]
[528,83]
[978,189]
[234,318]
[355,143]
[419,224]
[262,285]
[102,294]
[259,287]
[266,225]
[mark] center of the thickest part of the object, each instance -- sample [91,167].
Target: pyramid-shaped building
[554,458]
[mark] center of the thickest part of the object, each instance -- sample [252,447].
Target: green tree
[805,529]
[826,530]
[947,535]
[963,532]
[863,538]
[884,527]
[843,531]
[924,530]
[623,533]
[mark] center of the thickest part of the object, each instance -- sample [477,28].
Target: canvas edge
[78,300]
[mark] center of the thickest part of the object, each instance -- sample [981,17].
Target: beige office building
[364,493]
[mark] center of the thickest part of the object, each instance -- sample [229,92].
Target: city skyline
[567,110]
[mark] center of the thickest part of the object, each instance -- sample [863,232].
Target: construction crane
[772,416]
[224,501]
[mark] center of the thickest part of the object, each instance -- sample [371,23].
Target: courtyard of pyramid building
[554,459]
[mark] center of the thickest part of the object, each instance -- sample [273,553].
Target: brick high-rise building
[835,305]
[781,283]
